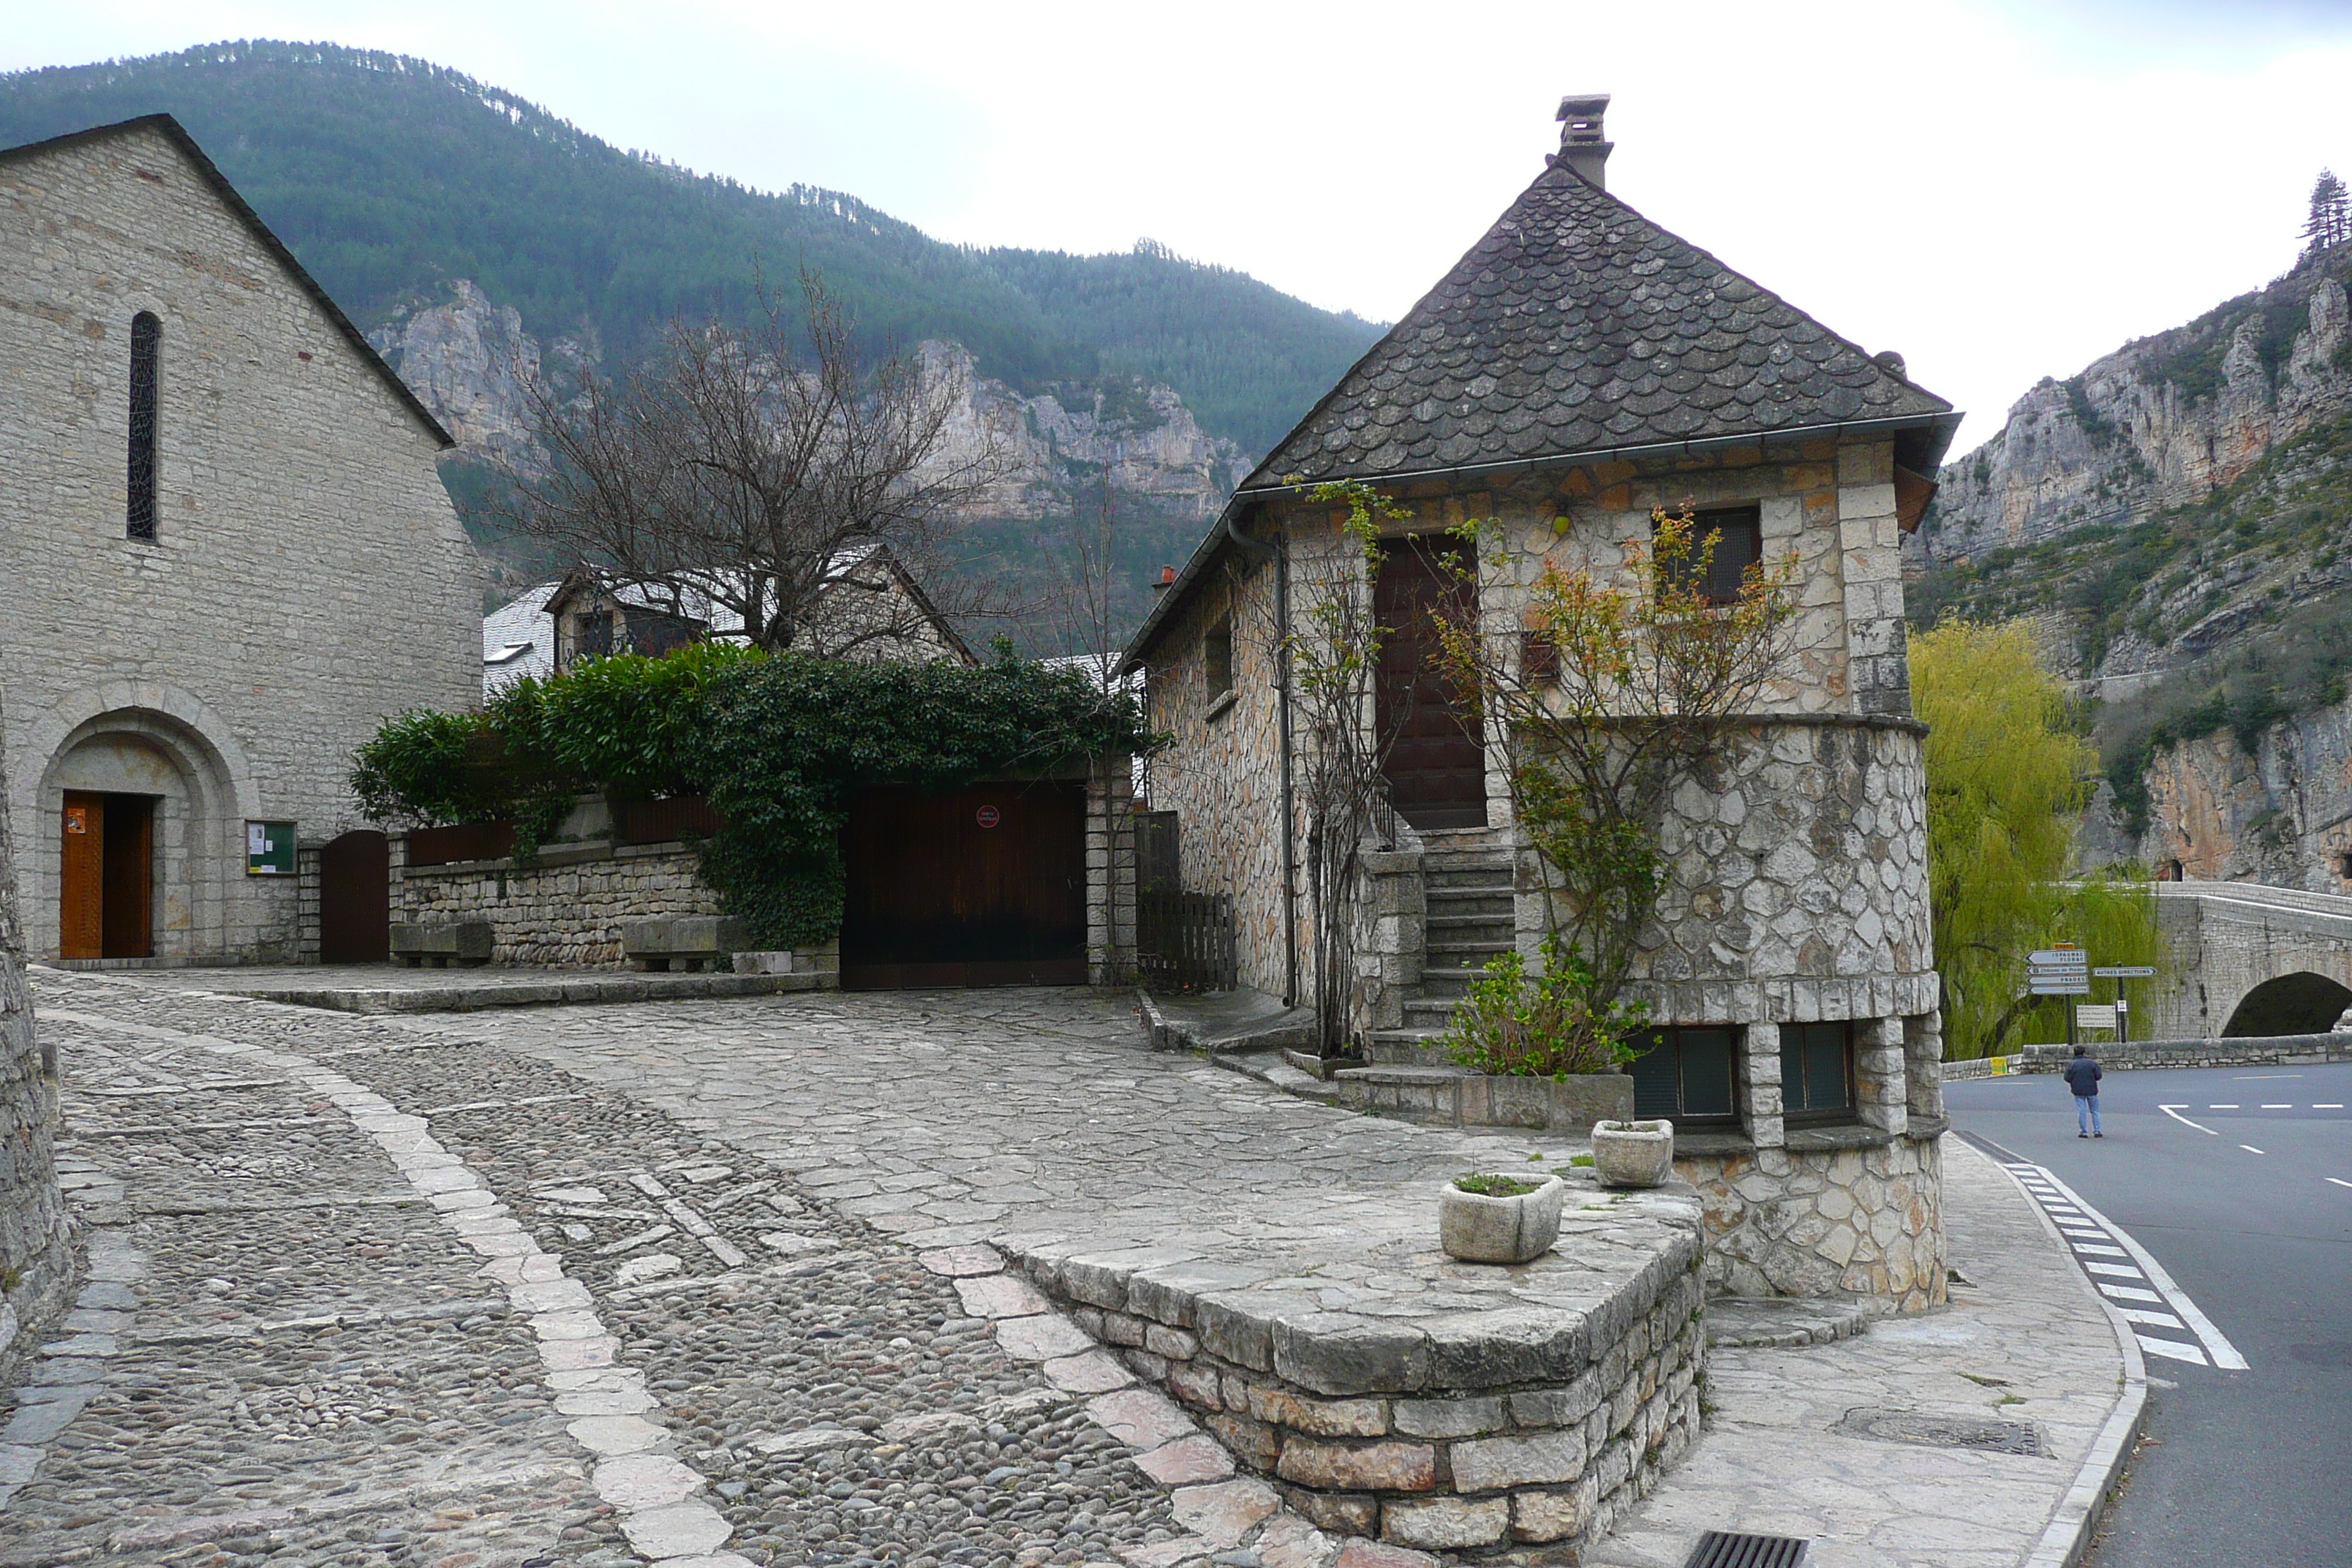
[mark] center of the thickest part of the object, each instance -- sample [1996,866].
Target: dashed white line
[2327,1106]
[2119,1270]
[2172,1349]
[2250,1149]
[2174,1112]
[2154,1320]
[2101,1251]
[2220,1108]
[2127,1293]
[2341,1182]
[2278,1108]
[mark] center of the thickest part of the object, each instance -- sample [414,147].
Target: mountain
[393,179]
[2175,520]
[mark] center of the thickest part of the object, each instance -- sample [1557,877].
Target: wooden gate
[355,898]
[107,883]
[1436,768]
[979,886]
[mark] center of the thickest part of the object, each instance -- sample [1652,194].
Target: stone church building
[1579,367]
[229,557]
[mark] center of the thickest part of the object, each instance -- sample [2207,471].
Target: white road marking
[2250,1149]
[2101,1251]
[2116,1270]
[2172,1349]
[2341,1182]
[2217,1343]
[2327,1106]
[2154,1320]
[2127,1293]
[2174,1112]
[2278,1108]
[2220,1108]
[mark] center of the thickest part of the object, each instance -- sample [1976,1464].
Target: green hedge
[779,745]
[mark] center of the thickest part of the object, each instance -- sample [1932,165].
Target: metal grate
[1943,1431]
[1722,1548]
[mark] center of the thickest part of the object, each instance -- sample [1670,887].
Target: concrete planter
[1632,1154]
[1480,1229]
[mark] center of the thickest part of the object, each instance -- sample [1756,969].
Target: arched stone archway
[2301,1003]
[159,757]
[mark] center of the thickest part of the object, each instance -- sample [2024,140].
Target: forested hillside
[391,178]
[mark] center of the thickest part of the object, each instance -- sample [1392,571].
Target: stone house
[230,556]
[869,608]
[1579,367]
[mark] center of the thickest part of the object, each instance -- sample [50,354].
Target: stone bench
[438,944]
[683,941]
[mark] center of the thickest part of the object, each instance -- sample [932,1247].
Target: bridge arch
[2300,1002]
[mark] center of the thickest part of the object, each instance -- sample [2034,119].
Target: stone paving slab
[396,988]
[2026,1340]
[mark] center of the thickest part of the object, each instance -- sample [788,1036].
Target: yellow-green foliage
[2007,780]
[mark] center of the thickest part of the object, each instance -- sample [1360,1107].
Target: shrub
[1550,1025]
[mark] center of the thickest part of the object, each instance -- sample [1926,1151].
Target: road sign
[2039,987]
[2094,1015]
[2125,971]
[2059,958]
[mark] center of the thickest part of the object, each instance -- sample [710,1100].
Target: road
[2235,1185]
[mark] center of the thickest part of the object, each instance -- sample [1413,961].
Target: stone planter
[1480,1229]
[1632,1154]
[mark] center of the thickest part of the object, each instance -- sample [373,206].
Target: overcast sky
[2001,189]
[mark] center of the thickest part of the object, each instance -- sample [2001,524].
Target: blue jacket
[2083,1077]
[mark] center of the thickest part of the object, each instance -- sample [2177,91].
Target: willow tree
[2007,777]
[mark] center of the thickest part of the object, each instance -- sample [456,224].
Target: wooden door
[81,888]
[1436,767]
[355,898]
[979,886]
[129,879]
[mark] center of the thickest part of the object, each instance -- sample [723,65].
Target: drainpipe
[1280,554]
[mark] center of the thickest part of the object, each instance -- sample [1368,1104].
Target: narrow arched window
[146,337]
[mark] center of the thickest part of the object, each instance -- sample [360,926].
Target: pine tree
[2330,223]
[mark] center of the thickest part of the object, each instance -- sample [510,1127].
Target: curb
[2072,1527]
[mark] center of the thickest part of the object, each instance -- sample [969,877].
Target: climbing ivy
[778,743]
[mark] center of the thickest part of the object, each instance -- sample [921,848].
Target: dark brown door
[130,876]
[81,888]
[981,886]
[1436,768]
[355,899]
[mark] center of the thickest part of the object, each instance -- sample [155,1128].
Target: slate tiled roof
[1578,326]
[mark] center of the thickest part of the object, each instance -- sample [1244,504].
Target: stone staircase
[1467,879]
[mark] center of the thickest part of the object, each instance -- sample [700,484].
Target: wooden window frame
[1746,519]
[1217,657]
[1792,1112]
[1727,1119]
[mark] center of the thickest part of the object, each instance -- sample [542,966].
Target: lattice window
[146,340]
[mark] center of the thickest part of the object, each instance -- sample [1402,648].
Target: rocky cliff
[471,362]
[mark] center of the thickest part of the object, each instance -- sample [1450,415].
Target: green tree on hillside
[2007,777]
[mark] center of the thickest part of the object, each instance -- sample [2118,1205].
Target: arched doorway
[2298,1003]
[355,898]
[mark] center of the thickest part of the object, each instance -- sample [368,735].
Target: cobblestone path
[636,1283]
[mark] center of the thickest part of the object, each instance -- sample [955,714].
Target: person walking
[2083,1077]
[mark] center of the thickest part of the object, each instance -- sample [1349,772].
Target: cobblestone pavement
[693,1282]
[2026,1340]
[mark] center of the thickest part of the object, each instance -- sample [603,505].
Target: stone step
[1451,984]
[1448,878]
[1782,1322]
[1487,904]
[1429,1012]
[1406,1048]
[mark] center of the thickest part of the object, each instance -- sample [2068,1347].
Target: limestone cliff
[471,362]
[2281,813]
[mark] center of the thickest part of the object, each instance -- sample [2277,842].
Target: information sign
[2057,986]
[268,848]
[2094,1015]
[2125,971]
[2059,958]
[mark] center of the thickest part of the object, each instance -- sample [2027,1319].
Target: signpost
[2120,972]
[2061,971]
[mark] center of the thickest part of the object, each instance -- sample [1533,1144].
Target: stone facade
[306,578]
[35,1255]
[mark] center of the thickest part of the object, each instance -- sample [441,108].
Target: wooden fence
[1185,941]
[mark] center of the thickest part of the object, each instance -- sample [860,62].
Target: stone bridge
[2247,959]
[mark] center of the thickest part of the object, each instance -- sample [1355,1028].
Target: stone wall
[2299,1050]
[565,909]
[1836,1211]
[36,1253]
[308,578]
[1532,1428]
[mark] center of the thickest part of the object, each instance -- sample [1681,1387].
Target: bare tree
[759,473]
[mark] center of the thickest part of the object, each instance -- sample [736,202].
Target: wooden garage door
[355,898]
[981,886]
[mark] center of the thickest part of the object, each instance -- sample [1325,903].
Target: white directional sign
[2125,971]
[2057,986]
[2094,1015]
[2059,958]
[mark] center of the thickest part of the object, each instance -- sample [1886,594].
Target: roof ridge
[167,126]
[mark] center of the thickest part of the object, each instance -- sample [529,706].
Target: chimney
[1582,145]
[1167,580]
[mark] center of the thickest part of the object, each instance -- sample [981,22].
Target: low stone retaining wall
[1840,1211]
[567,908]
[1434,1425]
[2251,1050]
[1449,1097]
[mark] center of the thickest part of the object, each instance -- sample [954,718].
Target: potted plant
[1547,1055]
[1490,1218]
[1632,1154]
